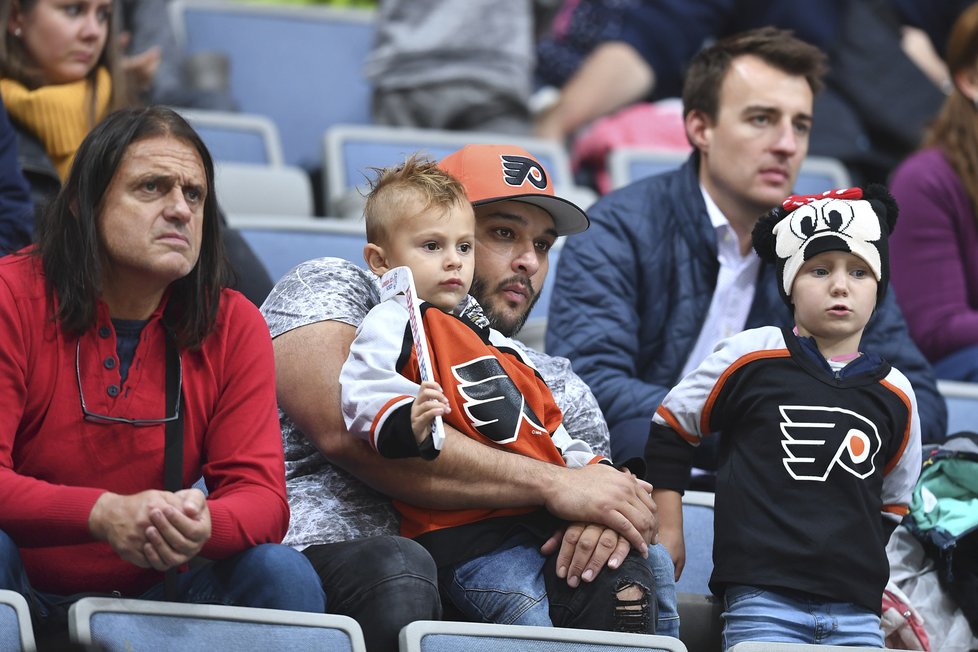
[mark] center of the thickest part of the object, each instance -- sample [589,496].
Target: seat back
[281,242]
[350,151]
[698,534]
[16,634]
[820,173]
[444,636]
[962,405]
[121,625]
[237,137]
[263,189]
[301,66]
[628,164]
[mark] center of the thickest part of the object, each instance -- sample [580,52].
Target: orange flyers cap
[493,173]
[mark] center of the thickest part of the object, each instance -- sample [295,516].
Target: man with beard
[340,489]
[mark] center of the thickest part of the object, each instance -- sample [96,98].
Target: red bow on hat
[794,201]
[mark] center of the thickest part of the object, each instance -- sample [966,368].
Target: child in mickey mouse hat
[821,441]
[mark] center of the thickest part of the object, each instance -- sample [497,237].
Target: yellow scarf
[58,114]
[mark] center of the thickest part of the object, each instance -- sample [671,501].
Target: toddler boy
[490,565]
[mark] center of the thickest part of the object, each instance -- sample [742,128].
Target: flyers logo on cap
[519,169]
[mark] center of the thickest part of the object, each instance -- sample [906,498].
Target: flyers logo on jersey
[517,170]
[819,439]
[494,405]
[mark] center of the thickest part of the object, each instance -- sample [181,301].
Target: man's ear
[699,129]
[376,259]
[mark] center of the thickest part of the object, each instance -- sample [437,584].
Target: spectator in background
[936,245]
[443,64]
[16,209]
[159,70]
[59,74]
[118,334]
[877,102]
[578,27]
[667,269]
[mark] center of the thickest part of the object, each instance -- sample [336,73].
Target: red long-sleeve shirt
[54,465]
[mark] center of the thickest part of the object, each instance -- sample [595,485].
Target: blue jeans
[269,576]
[664,572]
[751,613]
[382,582]
[516,584]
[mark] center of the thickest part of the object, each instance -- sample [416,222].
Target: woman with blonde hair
[935,250]
[59,75]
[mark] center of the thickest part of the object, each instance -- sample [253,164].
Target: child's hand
[431,403]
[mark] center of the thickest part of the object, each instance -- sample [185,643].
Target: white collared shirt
[734,293]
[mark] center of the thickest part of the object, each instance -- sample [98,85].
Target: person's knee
[632,609]
[394,559]
[635,607]
[281,574]
[11,567]
[402,572]
[385,577]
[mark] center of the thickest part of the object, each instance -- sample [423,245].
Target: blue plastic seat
[16,634]
[443,636]
[121,625]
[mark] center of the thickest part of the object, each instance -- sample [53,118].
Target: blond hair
[395,191]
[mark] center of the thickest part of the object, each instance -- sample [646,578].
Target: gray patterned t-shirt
[328,504]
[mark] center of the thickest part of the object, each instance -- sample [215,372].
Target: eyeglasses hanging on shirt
[106,419]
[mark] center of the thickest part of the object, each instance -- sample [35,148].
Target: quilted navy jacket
[633,291]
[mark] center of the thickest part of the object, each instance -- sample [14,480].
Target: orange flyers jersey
[496,396]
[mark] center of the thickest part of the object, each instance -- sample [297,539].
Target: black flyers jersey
[810,464]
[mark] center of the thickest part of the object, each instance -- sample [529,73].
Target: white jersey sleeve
[371,386]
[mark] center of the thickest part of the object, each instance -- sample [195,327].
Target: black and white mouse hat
[852,219]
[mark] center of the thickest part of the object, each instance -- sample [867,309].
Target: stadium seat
[628,164]
[298,65]
[350,151]
[263,189]
[282,242]
[237,137]
[757,646]
[16,634]
[121,625]
[819,173]
[698,534]
[444,636]
[962,405]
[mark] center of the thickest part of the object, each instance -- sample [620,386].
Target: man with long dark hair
[120,344]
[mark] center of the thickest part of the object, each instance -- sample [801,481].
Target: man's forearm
[465,475]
